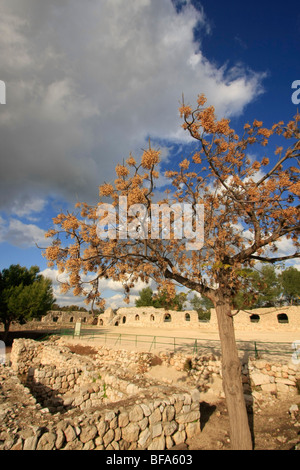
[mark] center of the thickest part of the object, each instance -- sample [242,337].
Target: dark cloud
[88,81]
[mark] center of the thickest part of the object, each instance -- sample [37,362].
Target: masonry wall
[158,421]
[117,413]
[267,319]
[61,317]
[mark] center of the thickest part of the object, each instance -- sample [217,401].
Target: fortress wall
[267,319]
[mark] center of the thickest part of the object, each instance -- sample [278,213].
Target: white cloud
[116,301]
[111,290]
[87,82]
[25,208]
[19,234]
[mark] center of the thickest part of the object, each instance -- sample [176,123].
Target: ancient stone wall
[61,317]
[153,424]
[120,406]
[267,319]
[154,418]
[148,316]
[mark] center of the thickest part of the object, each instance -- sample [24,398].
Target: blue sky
[88,82]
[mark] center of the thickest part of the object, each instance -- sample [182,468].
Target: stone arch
[282,318]
[100,322]
[152,317]
[124,319]
[71,319]
[187,317]
[137,317]
[254,318]
[167,317]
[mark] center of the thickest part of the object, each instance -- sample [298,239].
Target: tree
[269,288]
[24,295]
[262,289]
[202,305]
[290,280]
[248,205]
[161,300]
[174,302]
[145,298]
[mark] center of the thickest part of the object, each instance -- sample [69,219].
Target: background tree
[290,281]
[248,206]
[24,295]
[161,300]
[202,305]
[145,298]
[263,290]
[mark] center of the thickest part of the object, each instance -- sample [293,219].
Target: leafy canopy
[24,294]
[249,205]
[161,300]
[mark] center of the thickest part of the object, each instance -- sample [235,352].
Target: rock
[192,429]
[70,434]
[47,441]
[281,439]
[30,443]
[108,437]
[146,409]
[60,439]
[18,445]
[144,438]
[123,419]
[74,445]
[284,381]
[156,430]
[89,445]
[188,417]
[159,443]
[155,417]
[293,409]
[179,437]
[259,379]
[131,432]
[88,433]
[270,388]
[168,413]
[136,414]
[102,427]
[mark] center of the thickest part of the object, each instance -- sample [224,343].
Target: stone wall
[265,319]
[107,402]
[153,418]
[61,317]
[153,424]
[148,316]
[114,374]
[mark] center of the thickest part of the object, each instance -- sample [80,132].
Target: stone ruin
[261,319]
[267,319]
[108,401]
[73,316]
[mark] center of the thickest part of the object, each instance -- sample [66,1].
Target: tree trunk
[240,435]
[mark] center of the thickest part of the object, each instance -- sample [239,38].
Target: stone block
[259,379]
[159,443]
[131,432]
